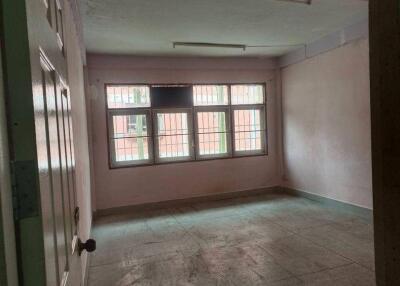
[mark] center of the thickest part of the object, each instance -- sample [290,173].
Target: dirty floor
[276,240]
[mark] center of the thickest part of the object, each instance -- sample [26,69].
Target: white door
[57,179]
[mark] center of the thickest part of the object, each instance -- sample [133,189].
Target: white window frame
[263,129]
[190,157]
[111,139]
[214,108]
[194,152]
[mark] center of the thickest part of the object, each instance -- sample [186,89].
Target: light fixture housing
[209,45]
[230,46]
[308,2]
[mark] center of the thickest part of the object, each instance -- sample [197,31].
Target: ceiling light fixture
[209,45]
[229,46]
[308,2]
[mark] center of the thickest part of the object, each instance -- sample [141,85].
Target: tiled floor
[276,240]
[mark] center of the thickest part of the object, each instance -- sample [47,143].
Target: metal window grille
[247,94]
[127,96]
[213,132]
[130,137]
[140,134]
[173,135]
[206,95]
[249,130]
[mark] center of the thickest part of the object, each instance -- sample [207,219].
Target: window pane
[129,125]
[212,133]
[130,137]
[210,95]
[247,94]
[128,96]
[248,132]
[171,96]
[173,135]
[131,149]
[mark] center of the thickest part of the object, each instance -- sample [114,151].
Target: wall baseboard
[186,201]
[362,212]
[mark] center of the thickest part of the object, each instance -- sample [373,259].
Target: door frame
[8,255]
[18,89]
[384,30]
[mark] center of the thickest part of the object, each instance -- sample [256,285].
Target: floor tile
[235,230]
[349,275]
[151,248]
[351,239]
[169,270]
[273,240]
[300,256]
[244,264]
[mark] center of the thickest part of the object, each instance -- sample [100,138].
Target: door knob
[89,246]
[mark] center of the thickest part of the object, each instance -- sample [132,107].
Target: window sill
[188,161]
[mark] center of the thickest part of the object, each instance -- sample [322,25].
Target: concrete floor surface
[276,240]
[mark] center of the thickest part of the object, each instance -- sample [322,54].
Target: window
[131,142]
[212,121]
[173,136]
[134,122]
[124,96]
[204,95]
[150,124]
[249,130]
[247,94]
[130,133]
[213,134]
[249,119]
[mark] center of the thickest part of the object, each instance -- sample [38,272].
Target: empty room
[199,142]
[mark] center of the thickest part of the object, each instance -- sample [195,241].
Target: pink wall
[326,125]
[129,186]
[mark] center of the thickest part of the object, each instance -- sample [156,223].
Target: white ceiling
[148,27]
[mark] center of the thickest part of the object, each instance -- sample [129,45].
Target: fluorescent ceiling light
[209,45]
[228,46]
[308,2]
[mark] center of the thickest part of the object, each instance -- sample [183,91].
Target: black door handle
[89,246]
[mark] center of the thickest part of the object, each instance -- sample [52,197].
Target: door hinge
[76,216]
[24,189]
